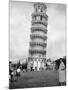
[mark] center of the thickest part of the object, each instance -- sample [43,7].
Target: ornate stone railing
[33,44]
[37,51]
[33,29]
[39,22]
[32,36]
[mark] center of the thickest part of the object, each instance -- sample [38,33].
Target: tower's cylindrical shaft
[38,36]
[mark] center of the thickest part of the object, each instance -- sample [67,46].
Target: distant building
[38,37]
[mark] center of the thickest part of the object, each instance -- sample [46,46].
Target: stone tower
[38,37]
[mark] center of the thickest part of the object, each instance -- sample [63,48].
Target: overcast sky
[20,24]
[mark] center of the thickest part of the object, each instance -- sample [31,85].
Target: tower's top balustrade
[40,14]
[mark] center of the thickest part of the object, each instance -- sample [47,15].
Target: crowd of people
[14,72]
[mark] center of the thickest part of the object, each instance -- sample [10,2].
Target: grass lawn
[36,79]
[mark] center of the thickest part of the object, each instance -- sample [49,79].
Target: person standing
[18,72]
[62,73]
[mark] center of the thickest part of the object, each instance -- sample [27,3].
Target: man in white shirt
[18,72]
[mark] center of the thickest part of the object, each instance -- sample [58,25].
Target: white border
[46,1]
[4,44]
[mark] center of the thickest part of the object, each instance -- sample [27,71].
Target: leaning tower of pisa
[38,37]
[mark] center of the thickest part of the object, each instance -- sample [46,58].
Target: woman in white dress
[62,73]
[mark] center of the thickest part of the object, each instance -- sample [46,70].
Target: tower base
[36,64]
